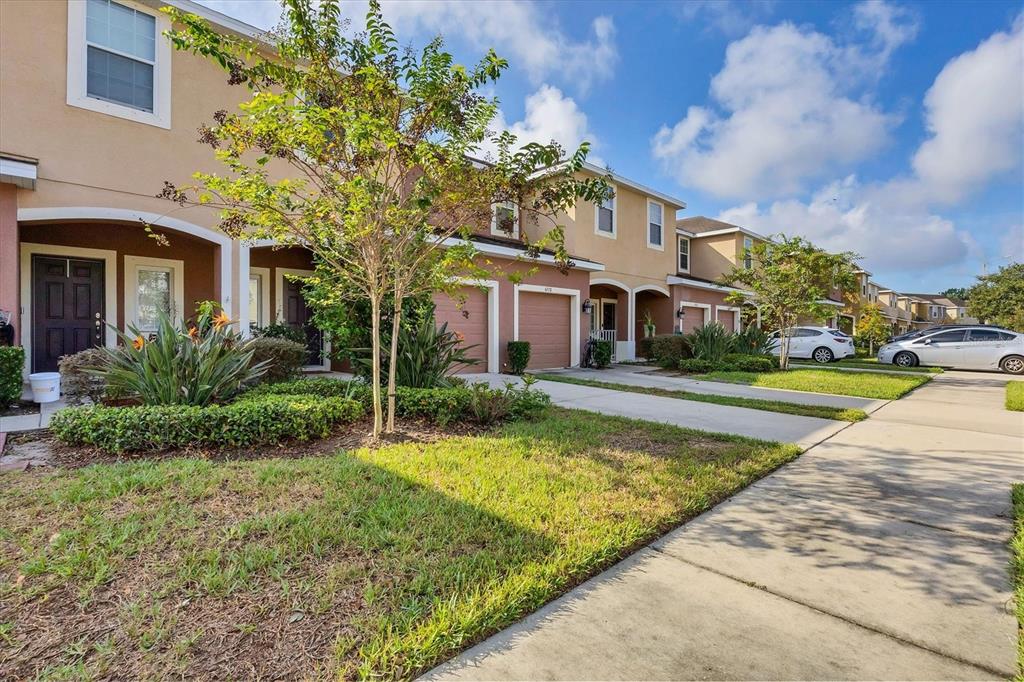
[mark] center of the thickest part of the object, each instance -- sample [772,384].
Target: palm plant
[208,363]
[711,342]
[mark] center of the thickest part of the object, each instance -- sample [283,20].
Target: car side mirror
[927,342]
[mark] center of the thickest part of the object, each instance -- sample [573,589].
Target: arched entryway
[653,306]
[610,318]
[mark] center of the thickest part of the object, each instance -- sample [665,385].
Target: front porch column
[242,287]
[629,350]
[9,296]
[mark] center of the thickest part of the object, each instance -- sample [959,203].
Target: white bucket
[45,386]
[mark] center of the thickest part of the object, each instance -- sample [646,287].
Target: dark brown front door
[67,308]
[297,313]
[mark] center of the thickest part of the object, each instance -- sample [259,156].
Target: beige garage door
[545,321]
[728,319]
[470,321]
[694,318]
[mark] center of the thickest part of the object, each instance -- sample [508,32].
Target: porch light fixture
[680,314]
[588,307]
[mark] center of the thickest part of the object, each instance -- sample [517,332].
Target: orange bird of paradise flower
[221,320]
[139,342]
[193,333]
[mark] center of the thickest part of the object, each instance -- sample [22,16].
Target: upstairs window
[604,219]
[118,62]
[748,253]
[505,219]
[684,254]
[655,225]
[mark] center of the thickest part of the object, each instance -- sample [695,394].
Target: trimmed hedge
[251,420]
[734,362]
[668,349]
[602,354]
[696,366]
[284,357]
[12,361]
[518,356]
[645,348]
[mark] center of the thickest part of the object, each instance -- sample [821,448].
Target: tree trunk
[375,363]
[395,326]
[783,345]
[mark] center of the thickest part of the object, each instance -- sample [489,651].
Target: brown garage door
[470,321]
[545,321]
[694,318]
[728,319]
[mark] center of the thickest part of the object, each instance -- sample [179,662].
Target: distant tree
[955,293]
[791,278]
[999,298]
[872,327]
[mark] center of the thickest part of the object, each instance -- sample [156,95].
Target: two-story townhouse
[97,111]
[934,309]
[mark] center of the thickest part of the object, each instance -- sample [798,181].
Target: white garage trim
[492,319]
[690,304]
[279,274]
[109,259]
[730,309]
[574,317]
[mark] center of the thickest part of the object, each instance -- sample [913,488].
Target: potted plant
[649,329]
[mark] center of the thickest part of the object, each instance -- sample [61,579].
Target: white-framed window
[152,286]
[505,219]
[684,254]
[655,225]
[933,311]
[748,253]
[118,61]
[256,296]
[605,222]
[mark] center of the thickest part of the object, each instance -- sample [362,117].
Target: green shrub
[602,354]
[12,362]
[280,330]
[76,381]
[668,349]
[739,362]
[283,358]
[250,421]
[427,355]
[752,341]
[711,342]
[645,348]
[491,405]
[696,366]
[207,364]
[518,356]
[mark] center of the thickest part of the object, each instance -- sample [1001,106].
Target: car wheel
[822,355]
[905,359]
[1013,364]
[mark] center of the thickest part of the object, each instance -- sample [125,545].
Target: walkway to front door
[67,308]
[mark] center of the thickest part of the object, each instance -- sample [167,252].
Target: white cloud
[550,116]
[726,16]
[525,33]
[786,109]
[975,117]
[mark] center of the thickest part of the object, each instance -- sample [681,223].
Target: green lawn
[861,384]
[820,411]
[1015,396]
[364,564]
[872,363]
[1017,568]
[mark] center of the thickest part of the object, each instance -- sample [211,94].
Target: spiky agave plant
[711,342]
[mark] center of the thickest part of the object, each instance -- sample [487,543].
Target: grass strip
[1017,569]
[819,411]
[1015,396]
[871,363]
[859,384]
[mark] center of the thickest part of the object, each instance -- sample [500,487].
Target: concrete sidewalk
[643,376]
[878,554]
[773,426]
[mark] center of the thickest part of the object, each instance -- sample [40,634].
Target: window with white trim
[748,253]
[604,216]
[505,219]
[118,61]
[153,296]
[684,254]
[933,311]
[655,225]
[256,294]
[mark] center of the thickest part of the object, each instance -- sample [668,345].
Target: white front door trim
[110,308]
[279,274]
[574,317]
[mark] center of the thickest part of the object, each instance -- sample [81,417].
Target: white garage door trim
[574,317]
[730,309]
[492,319]
[691,304]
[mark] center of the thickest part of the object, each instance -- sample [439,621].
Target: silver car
[960,348]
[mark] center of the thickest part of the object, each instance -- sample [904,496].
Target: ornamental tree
[999,298]
[362,152]
[790,278]
[872,327]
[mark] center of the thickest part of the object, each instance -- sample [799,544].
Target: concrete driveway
[773,426]
[878,554]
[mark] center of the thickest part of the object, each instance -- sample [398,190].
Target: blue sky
[894,129]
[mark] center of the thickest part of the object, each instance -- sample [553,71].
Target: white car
[821,344]
[960,348]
